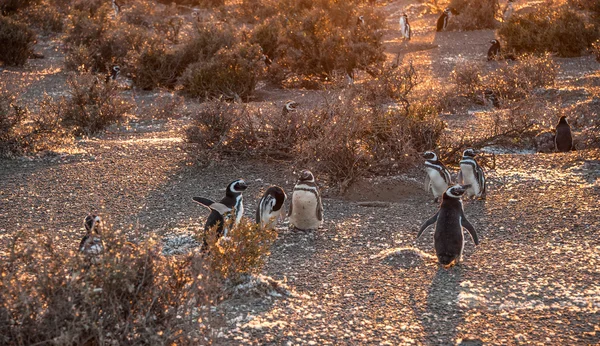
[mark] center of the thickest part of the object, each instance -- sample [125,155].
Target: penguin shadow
[441,316]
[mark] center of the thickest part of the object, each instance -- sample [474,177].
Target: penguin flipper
[204,201]
[218,207]
[427,224]
[291,207]
[82,243]
[320,210]
[466,224]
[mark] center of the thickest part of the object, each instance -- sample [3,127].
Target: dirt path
[533,279]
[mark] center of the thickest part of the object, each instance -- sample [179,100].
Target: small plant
[474,15]
[212,125]
[468,79]
[514,81]
[243,251]
[16,40]
[44,17]
[92,106]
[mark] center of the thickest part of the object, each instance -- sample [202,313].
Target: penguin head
[291,106]
[494,42]
[404,15]
[279,195]
[488,92]
[236,187]
[116,69]
[430,156]
[469,153]
[195,14]
[306,176]
[456,191]
[92,223]
[360,20]
[563,120]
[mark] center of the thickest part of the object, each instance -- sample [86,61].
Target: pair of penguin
[438,178]
[305,213]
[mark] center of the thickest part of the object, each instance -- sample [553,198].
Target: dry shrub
[24,132]
[266,35]
[44,17]
[596,50]
[16,40]
[11,6]
[212,124]
[564,31]
[243,251]
[134,295]
[468,79]
[156,67]
[519,79]
[92,106]
[231,73]
[474,15]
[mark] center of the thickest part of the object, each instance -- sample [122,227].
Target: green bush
[16,40]
[562,31]
[231,73]
[473,15]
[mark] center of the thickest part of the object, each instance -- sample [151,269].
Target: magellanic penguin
[472,174]
[490,99]
[220,212]
[360,21]
[442,21]
[306,209]
[289,107]
[116,7]
[494,51]
[508,11]
[450,219]
[563,140]
[404,27]
[270,207]
[114,73]
[438,177]
[91,244]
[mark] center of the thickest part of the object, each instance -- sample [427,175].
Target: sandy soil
[362,279]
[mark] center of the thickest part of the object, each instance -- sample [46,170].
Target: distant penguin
[220,212]
[494,52]
[404,27]
[442,21]
[360,21]
[350,76]
[438,177]
[508,11]
[91,245]
[490,99]
[563,140]
[270,207]
[472,174]
[289,107]
[306,209]
[114,73]
[116,7]
[448,239]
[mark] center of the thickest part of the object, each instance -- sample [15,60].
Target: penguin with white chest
[306,209]
[472,174]
[91,245]
[270,207]
[438,177]
[442,21]
[563,140]
[221,212]
[404,27]
[448,239]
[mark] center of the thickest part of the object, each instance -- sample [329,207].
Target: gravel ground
[362,279]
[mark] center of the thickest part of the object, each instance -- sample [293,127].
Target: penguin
[360,21]
[91,245]
[472,174]
[350,76]
[404,27]
[289,107]
[442,21]
[438,177]
[114,72]
[490,99]
[116,7]
[220,212]
[448,238]
[563,140]
[508,11]
[306,209]
[494,51]
[270,207]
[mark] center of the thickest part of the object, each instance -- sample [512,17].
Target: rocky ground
[362,279]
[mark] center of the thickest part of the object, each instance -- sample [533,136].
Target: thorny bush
[16,40]
[473,15]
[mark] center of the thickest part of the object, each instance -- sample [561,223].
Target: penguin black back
[442,21]
[494,51]
[563,139]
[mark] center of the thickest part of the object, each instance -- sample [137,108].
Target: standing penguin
[450,219]
[289,107]
[270,207]
[404,27]
[114,73]
[494,51]
[116,7]
[306,209]
[442,21]
[490,99]
[360,21]
[472,174]
[563,140]
[220,212]
[508,11]
[438,177]
[91,244]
